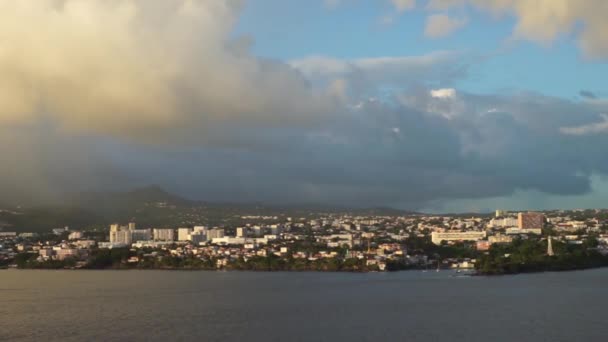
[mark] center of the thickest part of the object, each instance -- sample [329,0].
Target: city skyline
[428,105]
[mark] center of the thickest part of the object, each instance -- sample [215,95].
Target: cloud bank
[109,94]
[140,69]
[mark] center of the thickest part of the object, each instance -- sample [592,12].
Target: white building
[183,234]
[164,234]
[229,240]
[201,229]
[241,232]
[121,236]
[438,237]
[75,235]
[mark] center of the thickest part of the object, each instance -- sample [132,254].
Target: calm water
[233,306]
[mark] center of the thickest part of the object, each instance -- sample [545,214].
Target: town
[506,242]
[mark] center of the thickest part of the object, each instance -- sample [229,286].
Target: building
[132,226]
[46,253]
[201,229]
[198,237]
[64,253]
[75,235]
[121,236]
[183,234]
[141,234]
[215,233]
[500,213]
[500,239]
[438,237]
[530,220]
[164,235]
[483,245]
[528,231]
[503,222]
[241,232]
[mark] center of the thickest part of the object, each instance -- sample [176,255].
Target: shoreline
[466,273]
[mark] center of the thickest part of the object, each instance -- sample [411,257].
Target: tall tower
[549,247]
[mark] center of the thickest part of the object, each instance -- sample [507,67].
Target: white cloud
[403,5]
[545,20]
[366,74]
[149,69]
[442,25]
[592,128]
[445,93]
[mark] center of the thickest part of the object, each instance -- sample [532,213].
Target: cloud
[442,25]
[98,94]
[444,93]
[399,5]
[147,70]
[587,94]
[403,5]
[365,76]
[592,128]
[546,20]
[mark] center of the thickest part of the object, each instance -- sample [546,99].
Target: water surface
[243,306]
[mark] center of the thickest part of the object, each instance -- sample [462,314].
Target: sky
[431,105]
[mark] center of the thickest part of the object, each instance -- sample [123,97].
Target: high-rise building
[241,232]
[215,233]
[121,236]
[164,234]
[530,220]
[114,227]
[141,234]
[198,237]
[131,226]
[183,234]
[500,213]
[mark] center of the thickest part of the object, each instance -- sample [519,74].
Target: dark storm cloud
[398,151]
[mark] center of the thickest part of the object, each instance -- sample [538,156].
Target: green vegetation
[530,256]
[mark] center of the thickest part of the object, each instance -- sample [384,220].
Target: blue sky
[291,29]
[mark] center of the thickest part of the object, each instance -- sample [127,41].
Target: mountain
[152,206]
[104,201]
